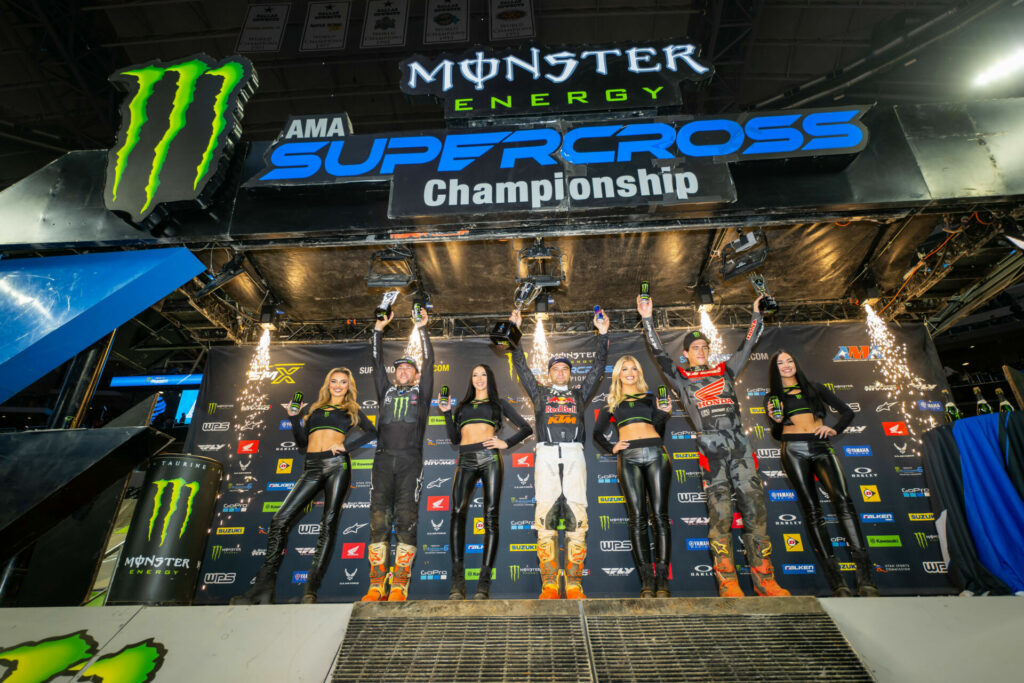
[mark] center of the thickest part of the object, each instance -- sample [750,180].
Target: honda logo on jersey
[710,395]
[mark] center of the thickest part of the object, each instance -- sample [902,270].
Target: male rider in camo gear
[398,463]
[560,470]
[709,395]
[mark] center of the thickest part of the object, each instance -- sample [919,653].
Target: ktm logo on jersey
[562,420]
[710,395]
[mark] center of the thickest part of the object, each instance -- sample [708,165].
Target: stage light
[542,305]
[705,295]
[865,288]
[1005,67]
[268,316]
[392,268]
[228,272]
[744,254]
[541,265]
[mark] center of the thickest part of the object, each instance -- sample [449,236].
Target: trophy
[382,311]
[768,303]
[505,334]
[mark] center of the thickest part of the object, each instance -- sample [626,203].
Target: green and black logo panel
[179,123]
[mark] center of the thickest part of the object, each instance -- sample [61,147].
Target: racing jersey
[559,412]
[709,393]
[402,411]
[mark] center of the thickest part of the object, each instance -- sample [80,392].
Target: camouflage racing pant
[728,471]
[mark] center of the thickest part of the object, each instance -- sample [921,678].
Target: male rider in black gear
[398,463]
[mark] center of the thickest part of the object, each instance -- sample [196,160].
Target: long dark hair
[775,388]
[492,396]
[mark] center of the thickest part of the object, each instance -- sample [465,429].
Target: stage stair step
[676,639]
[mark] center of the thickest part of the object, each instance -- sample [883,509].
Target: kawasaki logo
[176,486]
[183,119]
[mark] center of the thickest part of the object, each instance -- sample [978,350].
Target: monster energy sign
[179,124]
[167,536]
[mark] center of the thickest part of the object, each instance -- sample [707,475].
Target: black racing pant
[805,457]
[395,495]
[645,477]
[332,474]
[477,462]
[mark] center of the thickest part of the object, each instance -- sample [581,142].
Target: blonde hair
[615,395]
[349,403]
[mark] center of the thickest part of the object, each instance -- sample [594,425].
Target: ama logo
[851,353]
[179,124]
[711,394]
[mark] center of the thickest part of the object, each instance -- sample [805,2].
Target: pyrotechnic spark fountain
[708,329]
[414,348]
[906,386]
[539,355]
[251,403]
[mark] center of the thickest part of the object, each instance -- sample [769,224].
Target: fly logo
[522,459]
[852,353]
[249,446]
[437,503]
[284,372]
[870,493]
[710,394]
[188,113]
[352,551]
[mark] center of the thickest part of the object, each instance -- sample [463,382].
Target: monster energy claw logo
[66,655]
[513,572]
[400,407]
[195,114]
[176,486]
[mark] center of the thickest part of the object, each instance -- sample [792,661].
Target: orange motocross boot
[404,555]
[762,575]
[577,553]
[378,555]
[546,553]
[725,568]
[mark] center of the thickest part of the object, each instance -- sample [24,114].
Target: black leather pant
[802,461]
[645,477]
[477,462]
[332,474]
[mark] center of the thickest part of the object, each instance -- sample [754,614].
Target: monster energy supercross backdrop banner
[878,454]
[162,555]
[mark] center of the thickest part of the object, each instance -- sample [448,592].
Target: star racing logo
[173,500]
[179,123]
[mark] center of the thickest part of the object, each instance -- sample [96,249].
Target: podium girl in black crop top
[474,426]
[796,408]
[644,470]
[322,432]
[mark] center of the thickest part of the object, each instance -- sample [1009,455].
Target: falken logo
[876,517]
[710,395]
[205,99]
[852,353]
[798,569]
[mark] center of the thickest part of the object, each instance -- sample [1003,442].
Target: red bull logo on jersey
[560,404]
[710,395]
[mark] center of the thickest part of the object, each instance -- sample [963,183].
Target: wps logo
[522,459]
[215,578]
[352,551]
[692,497]
[935,567]
[794,543]
[178,123]
[285,372]
[437,503]
[616,546]
[174,487]
[851,353]
[869,492]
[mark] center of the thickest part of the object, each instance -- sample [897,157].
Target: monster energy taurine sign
[159,563]
[179,124]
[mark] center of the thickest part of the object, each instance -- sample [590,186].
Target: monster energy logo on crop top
[179,122]
[176,487]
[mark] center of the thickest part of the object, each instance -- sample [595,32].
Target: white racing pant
[560,485]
